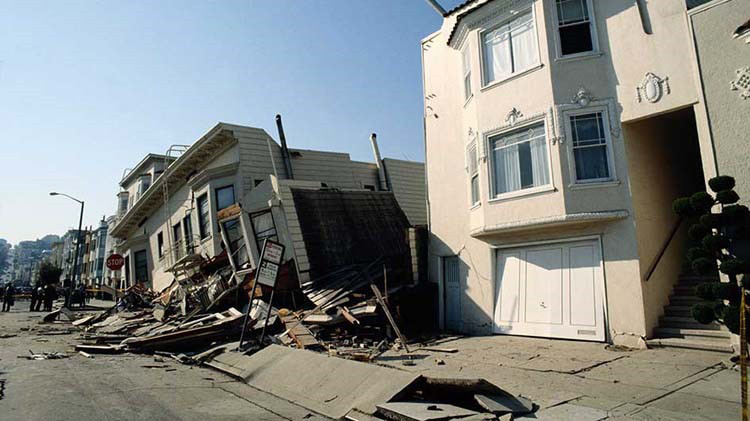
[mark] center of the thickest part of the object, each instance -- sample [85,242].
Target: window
[236,247]
[224,197]
[160,244]
[263,227]
[141,266]
[257,182]
[473,168]
[509,48]
[187,226]
[466,67]
[177,236]
[590,147]
[519,160]
[203,227]
[574,26]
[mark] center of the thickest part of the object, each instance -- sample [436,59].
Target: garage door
[552,291]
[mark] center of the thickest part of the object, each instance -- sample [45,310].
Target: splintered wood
[298,332]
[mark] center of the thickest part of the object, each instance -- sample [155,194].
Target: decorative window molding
[582,98]
[741,82]
[512,117]
[652,88]
[607,121]
[562,109]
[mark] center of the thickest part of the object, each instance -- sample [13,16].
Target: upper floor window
[519,160]
[160,244]
[466,72]
[575,27]
[509,48]
[591,147]
[473,169]
[203,214]
[224,197]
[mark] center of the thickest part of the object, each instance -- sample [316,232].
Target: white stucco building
[558,133]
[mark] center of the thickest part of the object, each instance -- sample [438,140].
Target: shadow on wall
[459,309]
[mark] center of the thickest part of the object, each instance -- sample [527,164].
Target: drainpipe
[438,8]
[285,156]
[379,162]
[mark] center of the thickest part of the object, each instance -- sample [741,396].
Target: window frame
[187,233]
[160,244]
[595,51]
[177,236]
[604,111]
[204,224]
[472,175]
[506,19]
[216,195]
[550,186]
[465,52]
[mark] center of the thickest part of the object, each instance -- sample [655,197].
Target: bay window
[519,160]
[509,48]
[591,147]
[575,27]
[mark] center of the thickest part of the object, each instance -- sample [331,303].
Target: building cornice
[550,222]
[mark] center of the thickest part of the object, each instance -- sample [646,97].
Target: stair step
[679,300]
[702,335]
[690,344]
[684,290]
[686,323]
[675,310]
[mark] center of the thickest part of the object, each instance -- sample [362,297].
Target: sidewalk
[574,377]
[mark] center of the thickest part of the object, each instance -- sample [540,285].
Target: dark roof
[463,15]
[342,228]
[457,8]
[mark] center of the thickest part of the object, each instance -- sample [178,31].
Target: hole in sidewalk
[2,389]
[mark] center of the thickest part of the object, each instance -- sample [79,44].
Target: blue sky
[89,87]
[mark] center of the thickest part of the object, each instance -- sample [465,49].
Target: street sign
[270,261]
[115,262]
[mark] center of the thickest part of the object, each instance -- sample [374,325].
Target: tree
[716,236]
[49,273]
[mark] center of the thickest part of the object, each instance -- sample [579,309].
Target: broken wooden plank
[387,312]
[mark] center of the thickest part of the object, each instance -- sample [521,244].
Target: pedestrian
[82,294]
[34,298]
[49,297]
[39,298]
[9,297]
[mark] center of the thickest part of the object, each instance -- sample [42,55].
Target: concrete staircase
[678,329]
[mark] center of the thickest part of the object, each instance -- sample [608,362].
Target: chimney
[284,150]
[379,162]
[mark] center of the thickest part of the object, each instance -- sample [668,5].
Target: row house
[558,133]
[168,205]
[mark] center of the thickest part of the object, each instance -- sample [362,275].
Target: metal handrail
[652,267]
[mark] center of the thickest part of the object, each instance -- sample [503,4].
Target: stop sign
[115,262]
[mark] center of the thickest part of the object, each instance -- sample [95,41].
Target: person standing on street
[39,298]
[34,298]
[9,297]
[49,297]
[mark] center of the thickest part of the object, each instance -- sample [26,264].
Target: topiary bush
[715,235]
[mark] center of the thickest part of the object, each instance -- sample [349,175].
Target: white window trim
[523,192]
[498,22]
[465,50]
[473,144]
[595,52]
[599,182]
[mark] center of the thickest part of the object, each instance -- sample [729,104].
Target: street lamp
[78,245]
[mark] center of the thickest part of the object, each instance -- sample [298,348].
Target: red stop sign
[115,262]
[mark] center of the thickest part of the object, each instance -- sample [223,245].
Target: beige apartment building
[558,133]
[168,204]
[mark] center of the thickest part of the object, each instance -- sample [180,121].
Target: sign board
[115,262]
[270,262]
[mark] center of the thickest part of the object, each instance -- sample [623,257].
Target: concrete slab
[699,406]
[724,385]
[327,385]
[641,372]
[567,412]
[422,411]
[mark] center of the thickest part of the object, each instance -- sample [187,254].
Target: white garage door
[554,291]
